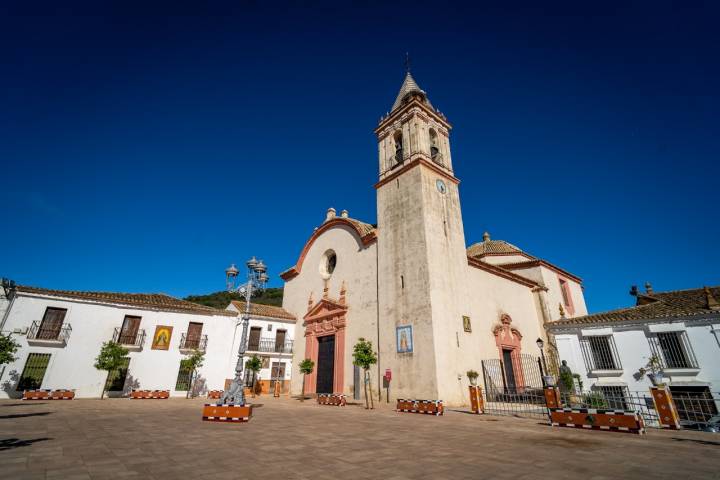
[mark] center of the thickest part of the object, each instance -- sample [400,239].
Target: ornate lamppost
[256,279]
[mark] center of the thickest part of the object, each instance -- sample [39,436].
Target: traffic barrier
[332,399]
[430,407]
[214,394]
[149,394]
[598,419]
[46,394]
[226,412]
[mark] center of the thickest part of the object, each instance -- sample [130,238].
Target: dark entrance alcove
[326,364]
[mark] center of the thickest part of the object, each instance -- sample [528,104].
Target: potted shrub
[306,368]
[654,370]
[472,376]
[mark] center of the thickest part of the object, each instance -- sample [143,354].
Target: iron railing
[600,353]
[697,410]
[39,332]
[673,350]
[270,345]
[130,339]
[193,342]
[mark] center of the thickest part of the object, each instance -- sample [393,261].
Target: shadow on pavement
[21,415]
[702,442]
[9,443]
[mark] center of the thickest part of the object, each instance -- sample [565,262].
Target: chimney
[330,214]
[648,288]
[712,303]
[634,290]
[344,214]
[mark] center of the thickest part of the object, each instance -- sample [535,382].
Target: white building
[61,332]
[433,306]
[680,327]
[270,337]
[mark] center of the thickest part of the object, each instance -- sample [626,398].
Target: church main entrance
[325,364]
[325,343]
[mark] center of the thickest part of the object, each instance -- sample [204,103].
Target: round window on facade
[328,263]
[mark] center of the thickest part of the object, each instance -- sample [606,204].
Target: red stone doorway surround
[326,317]
[508,337]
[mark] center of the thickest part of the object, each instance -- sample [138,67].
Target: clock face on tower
[441,186]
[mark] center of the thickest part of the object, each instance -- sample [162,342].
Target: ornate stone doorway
[325,343]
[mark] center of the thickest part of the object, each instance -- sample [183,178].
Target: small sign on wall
[466,324]
[161,339]
[404,335]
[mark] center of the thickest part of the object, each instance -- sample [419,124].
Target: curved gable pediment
[362,234]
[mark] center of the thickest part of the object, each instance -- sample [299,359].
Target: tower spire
[407,63]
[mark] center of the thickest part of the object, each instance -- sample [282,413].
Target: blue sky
[144,148]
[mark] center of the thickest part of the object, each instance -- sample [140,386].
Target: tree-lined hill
[270,296]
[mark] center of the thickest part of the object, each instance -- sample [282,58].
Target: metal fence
[514,386]
[698,410]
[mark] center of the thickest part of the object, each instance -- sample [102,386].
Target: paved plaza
[121,438]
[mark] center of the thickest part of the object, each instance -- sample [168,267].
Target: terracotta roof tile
[490,247]
[363,228]
[264,310]
[672,304]
[158,301]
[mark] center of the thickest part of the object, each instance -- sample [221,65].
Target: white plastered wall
[92,324]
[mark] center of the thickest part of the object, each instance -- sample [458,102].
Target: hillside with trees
[270,296]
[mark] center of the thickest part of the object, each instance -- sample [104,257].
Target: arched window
[398,146]
[434,150]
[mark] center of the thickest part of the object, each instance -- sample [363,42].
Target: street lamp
[547,379]
[9,287]
[256,279]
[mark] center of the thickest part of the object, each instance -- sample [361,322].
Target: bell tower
[422,259]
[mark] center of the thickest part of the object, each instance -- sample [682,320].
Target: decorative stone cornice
[420,159]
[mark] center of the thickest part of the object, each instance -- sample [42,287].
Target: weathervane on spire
[407,62]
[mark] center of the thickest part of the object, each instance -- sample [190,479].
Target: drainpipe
[715,329]
[377,313]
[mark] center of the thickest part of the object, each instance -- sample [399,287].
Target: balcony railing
[600,354]
[193,342]
[673,349]
[40,334]
[131,341]
[270,345]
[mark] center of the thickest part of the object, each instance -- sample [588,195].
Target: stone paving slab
[120,438]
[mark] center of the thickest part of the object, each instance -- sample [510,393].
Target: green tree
[8,347]
[306,368]
[192,363]
[364,357]
[111,358]
[254,365]
[269,296]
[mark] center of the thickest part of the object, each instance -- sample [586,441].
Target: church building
[432,306]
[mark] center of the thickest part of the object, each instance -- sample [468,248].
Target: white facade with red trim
[414,269]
